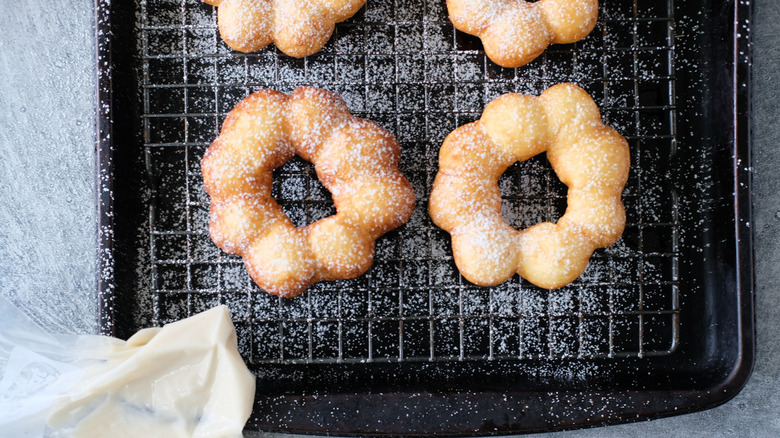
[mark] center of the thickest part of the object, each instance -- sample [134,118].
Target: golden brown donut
[591,158]
[515,32]
[298,28]
[356,160]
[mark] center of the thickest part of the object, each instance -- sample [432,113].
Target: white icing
[184,380]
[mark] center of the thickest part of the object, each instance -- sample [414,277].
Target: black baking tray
[711,321]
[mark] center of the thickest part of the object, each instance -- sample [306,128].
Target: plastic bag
[186,379]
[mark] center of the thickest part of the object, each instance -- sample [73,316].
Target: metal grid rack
[402,64]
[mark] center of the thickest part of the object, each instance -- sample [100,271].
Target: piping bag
[186,379]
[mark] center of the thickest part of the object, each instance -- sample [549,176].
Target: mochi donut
[515,32]
[355,159]
[591,158]
[298,28]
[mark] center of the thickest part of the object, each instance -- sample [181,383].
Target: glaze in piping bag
[185,379]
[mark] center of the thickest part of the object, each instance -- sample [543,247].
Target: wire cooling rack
[402,64]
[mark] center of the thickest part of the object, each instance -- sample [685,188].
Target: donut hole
[531,193]
[301,195]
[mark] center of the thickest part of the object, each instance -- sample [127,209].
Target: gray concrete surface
[47,214]
[47,155]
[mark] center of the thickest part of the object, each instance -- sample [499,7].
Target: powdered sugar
[357,161]
[450,80]
[299,28]
[514,33]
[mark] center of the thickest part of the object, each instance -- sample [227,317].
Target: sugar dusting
[298,28]
[514,33]
[414,284]
[357,161]
[590,158]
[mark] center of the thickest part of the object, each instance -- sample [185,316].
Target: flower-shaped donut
[298,28]
[591,158]
[355,159]
[515,32]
